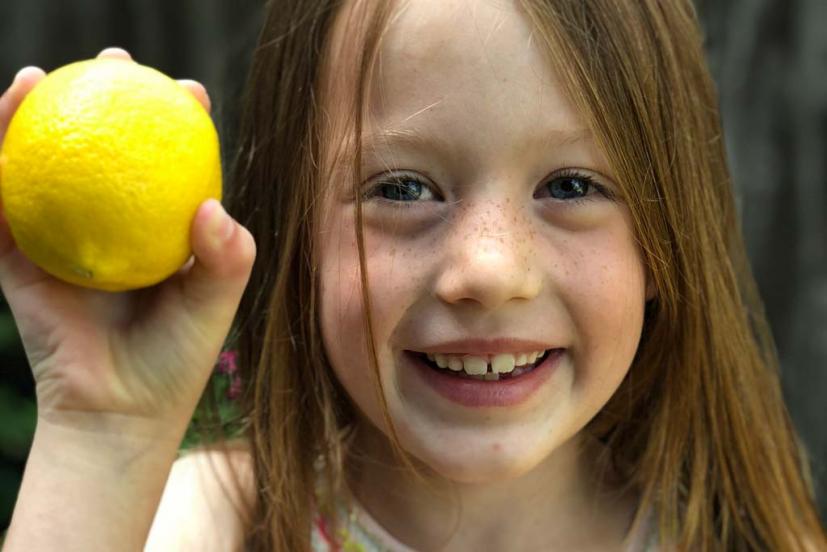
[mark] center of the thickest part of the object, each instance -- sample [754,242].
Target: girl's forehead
[448,63]
[492,37]
[465,29]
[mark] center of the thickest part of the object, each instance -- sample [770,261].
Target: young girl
[500,302]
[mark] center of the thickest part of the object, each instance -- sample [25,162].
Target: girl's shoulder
[204,503]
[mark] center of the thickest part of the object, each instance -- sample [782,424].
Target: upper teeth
[480,364]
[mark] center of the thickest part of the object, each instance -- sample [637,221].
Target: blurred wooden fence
[769,58]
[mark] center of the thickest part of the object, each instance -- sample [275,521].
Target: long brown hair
[698,425]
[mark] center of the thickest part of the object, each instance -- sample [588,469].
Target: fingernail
[19,75]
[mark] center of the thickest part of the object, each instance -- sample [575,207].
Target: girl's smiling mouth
[497,380]
[487,367]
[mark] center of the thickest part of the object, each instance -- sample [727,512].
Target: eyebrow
[412,137]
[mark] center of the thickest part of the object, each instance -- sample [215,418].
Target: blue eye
[570,186]
[400,188]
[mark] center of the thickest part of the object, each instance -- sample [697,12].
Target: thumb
[224,254]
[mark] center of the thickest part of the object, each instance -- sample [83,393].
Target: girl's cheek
[605,299]
[399,275]
[395,275]
[339,278]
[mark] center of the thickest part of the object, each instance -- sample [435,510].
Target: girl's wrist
[76,429]
[108,436]
[88,490]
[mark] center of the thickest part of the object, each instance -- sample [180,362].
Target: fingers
[196,88]
[224,254]
[23,82]
[114,53]
[15,269]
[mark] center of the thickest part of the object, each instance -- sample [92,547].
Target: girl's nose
[491,264]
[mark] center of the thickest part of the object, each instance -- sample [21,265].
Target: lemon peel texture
[102,170]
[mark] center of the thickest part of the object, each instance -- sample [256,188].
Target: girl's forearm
[90,490]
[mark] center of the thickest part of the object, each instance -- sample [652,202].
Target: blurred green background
[769,58]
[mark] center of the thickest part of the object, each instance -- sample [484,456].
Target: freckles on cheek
[606,299]
[397,270]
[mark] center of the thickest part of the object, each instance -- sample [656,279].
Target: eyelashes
[569,187]
[401,188]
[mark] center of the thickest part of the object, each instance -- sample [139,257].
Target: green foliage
[8,330]
[19,416]
[217,415]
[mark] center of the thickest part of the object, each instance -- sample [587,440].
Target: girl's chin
[467,453]
[478,463]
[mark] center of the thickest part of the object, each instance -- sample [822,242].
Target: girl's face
[492,231]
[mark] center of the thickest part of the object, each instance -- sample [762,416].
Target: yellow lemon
[102,170]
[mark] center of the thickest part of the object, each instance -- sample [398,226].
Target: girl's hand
[134,361]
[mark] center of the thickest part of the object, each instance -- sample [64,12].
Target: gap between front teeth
[478,365]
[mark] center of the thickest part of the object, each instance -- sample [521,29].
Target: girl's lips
[481,393]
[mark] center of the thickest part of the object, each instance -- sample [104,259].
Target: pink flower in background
[227,362]
[234,391]
[227,365]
